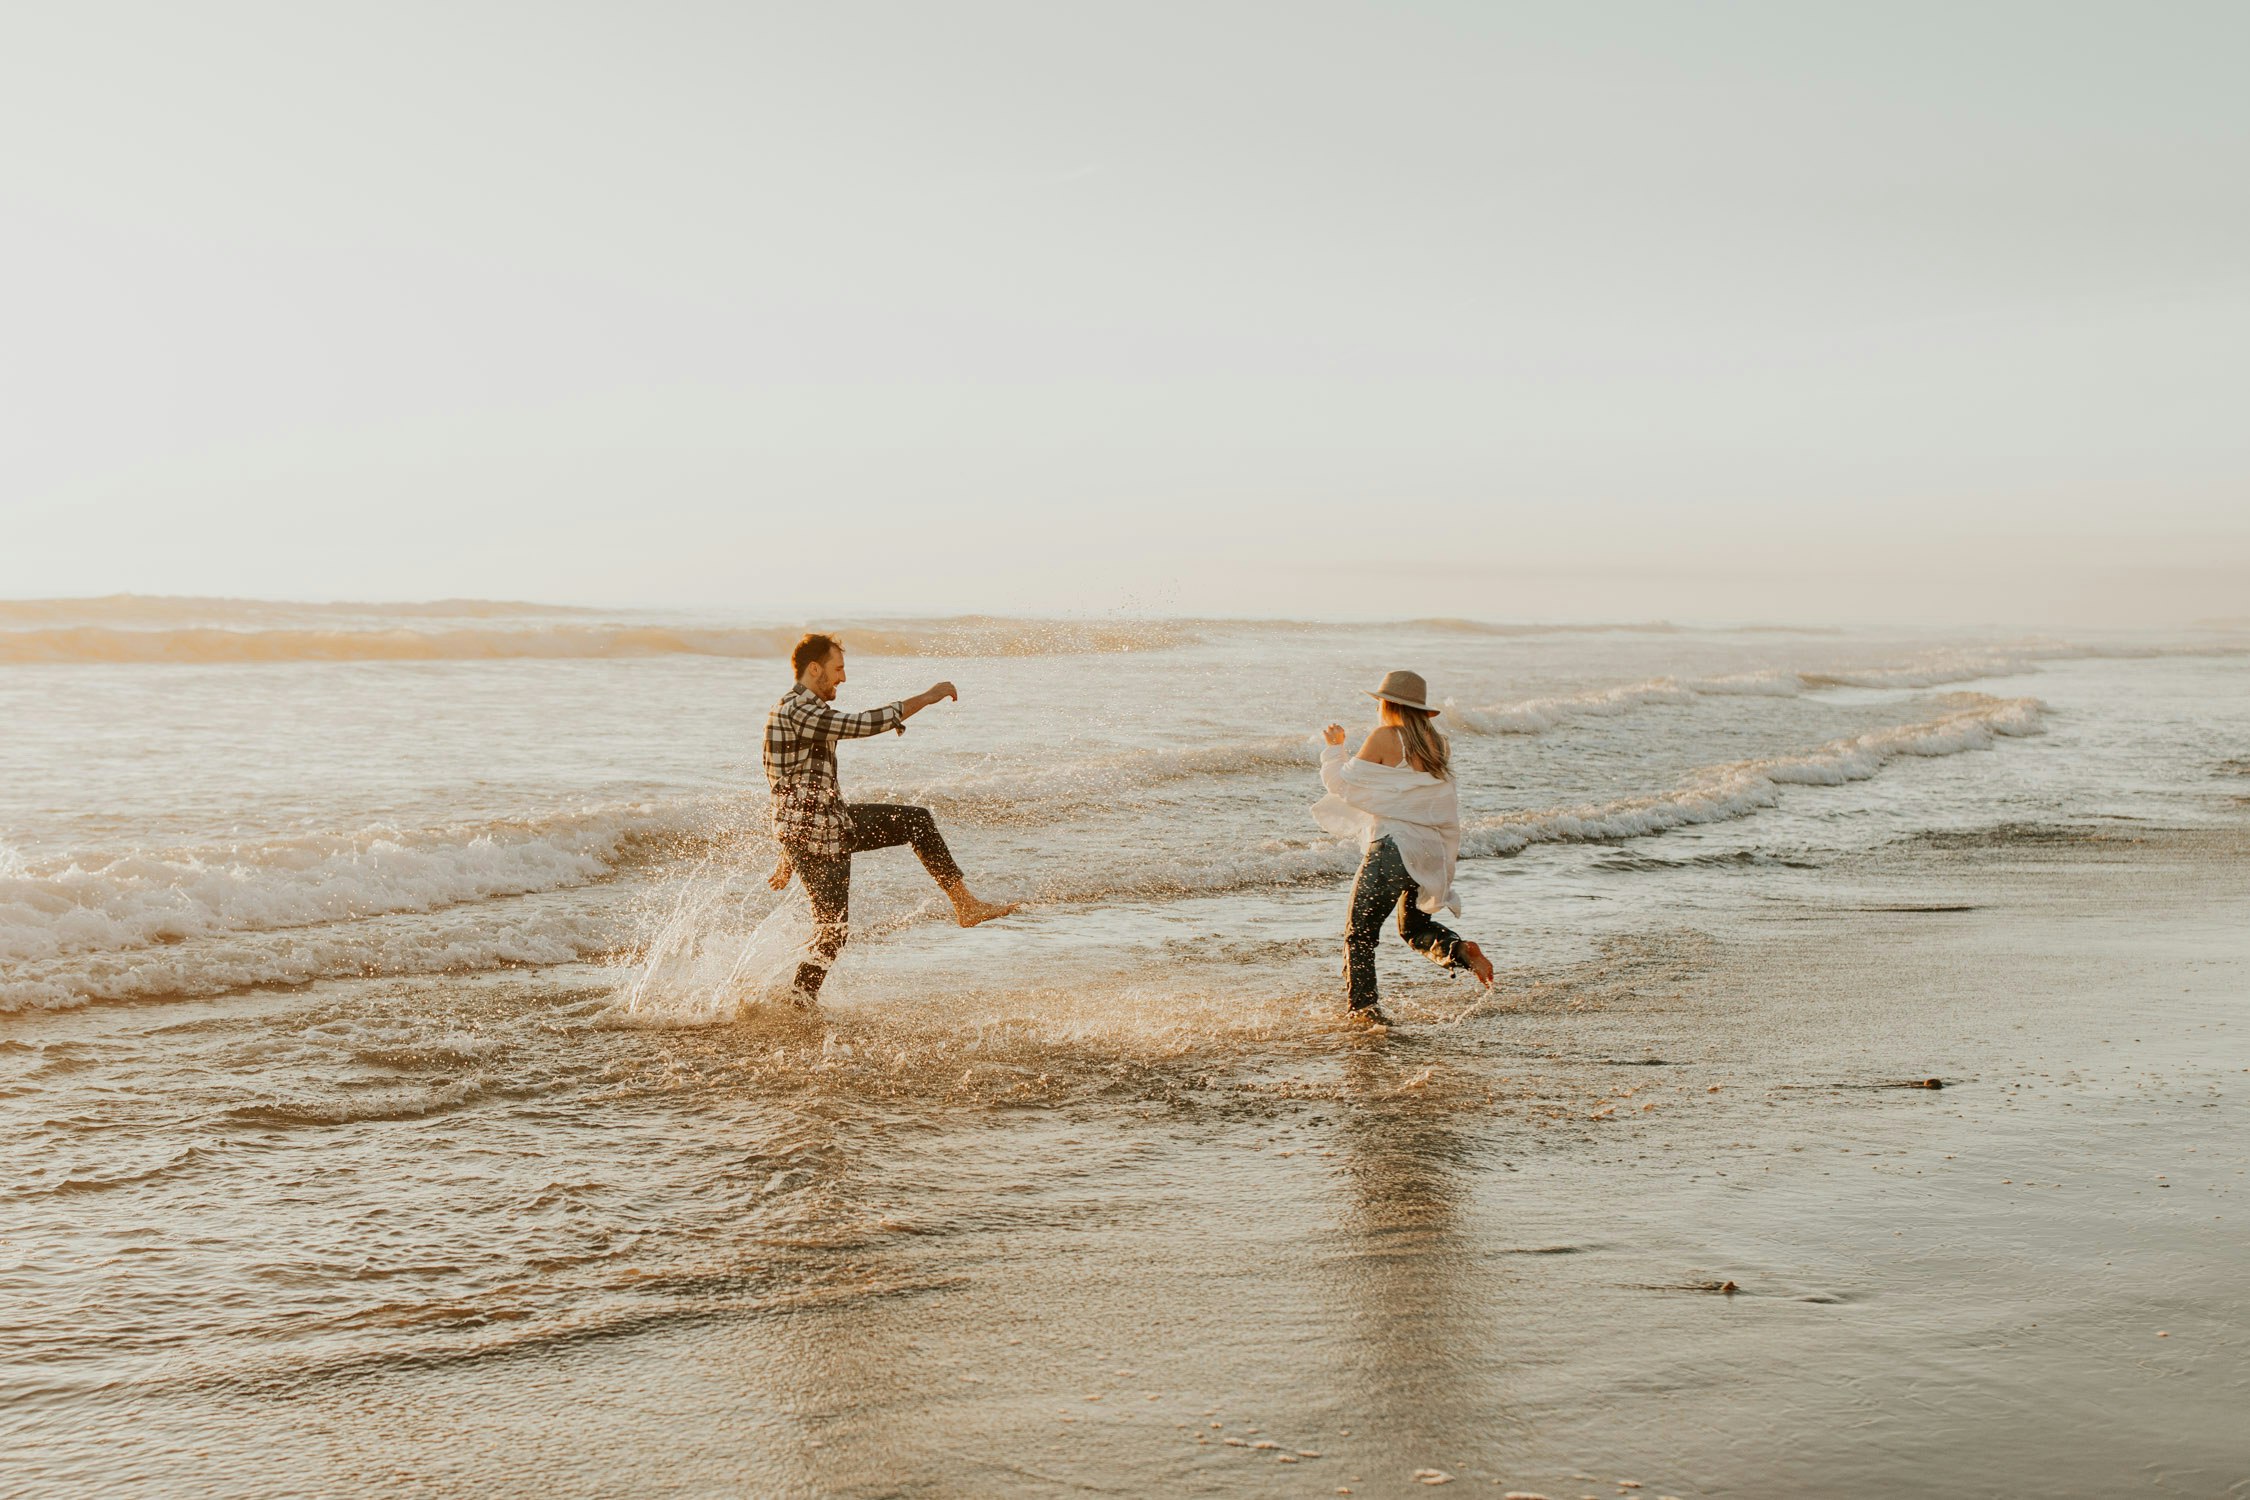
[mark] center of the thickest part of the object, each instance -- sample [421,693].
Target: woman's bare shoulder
[1383,746]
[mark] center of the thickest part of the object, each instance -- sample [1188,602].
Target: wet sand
[1494,1251]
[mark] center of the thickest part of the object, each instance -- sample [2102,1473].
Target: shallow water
[386,1046]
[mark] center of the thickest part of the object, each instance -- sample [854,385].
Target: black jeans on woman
[828,879]
[1383,886]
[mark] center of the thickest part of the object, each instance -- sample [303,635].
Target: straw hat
[1406,689]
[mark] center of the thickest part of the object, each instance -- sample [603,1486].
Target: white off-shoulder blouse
[1419,812]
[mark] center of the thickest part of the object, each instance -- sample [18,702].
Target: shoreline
[1470,1245]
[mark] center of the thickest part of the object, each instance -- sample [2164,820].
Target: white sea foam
[534,932]
[138,900]
[1540,715]
[1725,792]
[1715,794]
[1926,669]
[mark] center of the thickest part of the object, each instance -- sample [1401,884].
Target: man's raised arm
[833,723]
[914,705]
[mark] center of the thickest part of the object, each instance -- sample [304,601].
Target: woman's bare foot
[1478,964]
[969,911]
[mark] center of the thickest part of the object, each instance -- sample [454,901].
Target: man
[819,832]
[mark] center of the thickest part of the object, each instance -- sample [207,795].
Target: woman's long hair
[1425,748]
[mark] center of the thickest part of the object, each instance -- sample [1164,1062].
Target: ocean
[399,1094]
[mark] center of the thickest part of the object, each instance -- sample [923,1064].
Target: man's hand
[914,705]
[779,879]
[1333,734]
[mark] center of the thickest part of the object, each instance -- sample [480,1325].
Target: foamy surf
[1718,793]
[1925,669]
[1543,715]
[531,931]
[1740,789]
[144,899]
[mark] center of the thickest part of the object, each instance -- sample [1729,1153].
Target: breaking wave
[143,610]
[1715,794]
[153,900]
[534,931]
[209,644]
[1539,715]
[201,645]
[1722,793]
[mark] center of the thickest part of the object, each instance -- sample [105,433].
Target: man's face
[824,677]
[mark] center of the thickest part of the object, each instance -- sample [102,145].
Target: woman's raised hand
[1334,734]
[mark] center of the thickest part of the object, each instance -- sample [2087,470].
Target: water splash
[704,962]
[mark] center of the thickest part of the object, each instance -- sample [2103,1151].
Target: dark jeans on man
[828,881]
[1383,885]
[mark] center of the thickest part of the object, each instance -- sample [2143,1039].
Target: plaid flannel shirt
[801,736]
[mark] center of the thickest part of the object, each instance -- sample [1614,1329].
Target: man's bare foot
[969,911]
[1478,964]
[1372,1017]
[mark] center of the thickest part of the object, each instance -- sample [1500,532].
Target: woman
[1397,797]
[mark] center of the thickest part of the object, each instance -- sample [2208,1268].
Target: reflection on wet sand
[1422,1303]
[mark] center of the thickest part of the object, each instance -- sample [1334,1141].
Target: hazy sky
[1875,311]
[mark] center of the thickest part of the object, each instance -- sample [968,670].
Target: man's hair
[814,647]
